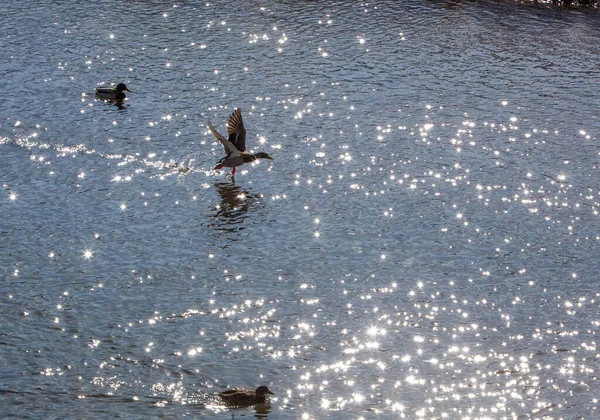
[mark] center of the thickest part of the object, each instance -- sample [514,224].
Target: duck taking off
[235,146]
[112,92]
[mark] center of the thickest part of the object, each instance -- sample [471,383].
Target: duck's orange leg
[233,171]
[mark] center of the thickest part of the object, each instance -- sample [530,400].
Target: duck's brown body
[245,397]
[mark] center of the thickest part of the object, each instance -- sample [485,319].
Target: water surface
[423,245]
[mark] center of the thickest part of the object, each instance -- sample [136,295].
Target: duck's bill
[128,90]
[218,167]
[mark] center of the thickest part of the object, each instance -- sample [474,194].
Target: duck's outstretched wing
[236,131]
[230,149]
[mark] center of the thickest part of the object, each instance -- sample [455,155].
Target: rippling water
[424,244]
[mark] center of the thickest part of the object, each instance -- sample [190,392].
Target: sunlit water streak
[424,244]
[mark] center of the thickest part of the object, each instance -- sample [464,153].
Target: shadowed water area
[424,244]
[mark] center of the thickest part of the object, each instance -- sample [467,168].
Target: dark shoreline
[568,3]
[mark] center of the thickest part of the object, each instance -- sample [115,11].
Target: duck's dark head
[121,87]
[262,155]
[262,390]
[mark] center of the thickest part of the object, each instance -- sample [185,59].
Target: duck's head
[262,390]
[121,87]
[262,155]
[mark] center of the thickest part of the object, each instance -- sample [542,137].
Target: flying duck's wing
[236,131]
[230,149]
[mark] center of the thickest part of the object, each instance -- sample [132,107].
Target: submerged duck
[112,92]
[235,146]
[245,397]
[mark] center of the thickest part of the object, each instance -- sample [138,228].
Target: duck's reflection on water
[119,103]
[262,410]
[234,205]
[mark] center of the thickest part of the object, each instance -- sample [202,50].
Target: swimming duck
[235,146]
[112,92]
[245,397]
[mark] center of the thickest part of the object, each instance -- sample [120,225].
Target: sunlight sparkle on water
[358,398]
[88,254]
[195,351]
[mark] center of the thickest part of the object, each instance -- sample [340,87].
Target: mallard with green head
[245,397]
[235,145]
[112,92]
